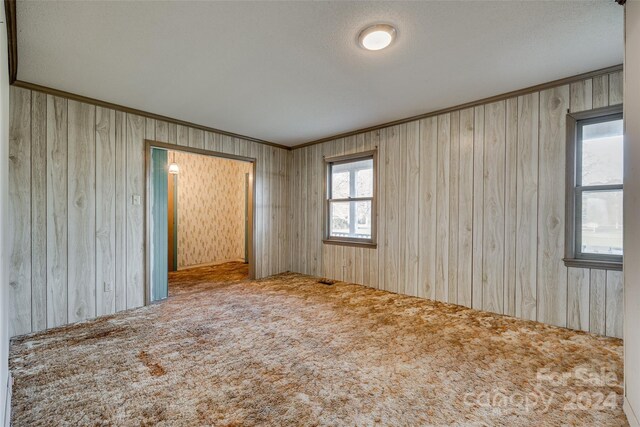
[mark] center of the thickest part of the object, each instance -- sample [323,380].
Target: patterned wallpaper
[211,198]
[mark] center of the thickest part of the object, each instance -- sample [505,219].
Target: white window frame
[350,241]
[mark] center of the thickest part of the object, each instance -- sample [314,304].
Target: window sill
[591,263]
[350,243]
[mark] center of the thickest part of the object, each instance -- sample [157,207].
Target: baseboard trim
[631,416]
[186,267]
[7,403]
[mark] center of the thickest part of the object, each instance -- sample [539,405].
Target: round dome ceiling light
[377,37]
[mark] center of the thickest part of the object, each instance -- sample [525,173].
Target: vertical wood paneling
[302,212]
[266,196]
[77,207]
[228,146]
[527,207]
[285,258]
[149,129]
[276,205]
[412,207]
[478,206]
[392,182]
[616,84]
[442,207]
[382,210]
[402,203]
[581,95]
[315,169]
[359,252]
[578,279]
[210,143]
[243,149]
[121,203]
[372,141]
[597,302]
[162,131]
[105,210]
[490,203]
[493,226]
[182,135]
[427,206]
[318,195]
[408,165]
[288,211]
[552,274]
[327,253]
[510,207]
[20,212]
[338,251]
[273,207]
[57,211]
[172,132]
[217,144]
[265,256]
[600,87]
[465,208]
[196,138]
[578,299]
[256,153]
[82,212]
[400,284]
[614,304]
[296,243]
[135,209]
[38,211]
[454,174]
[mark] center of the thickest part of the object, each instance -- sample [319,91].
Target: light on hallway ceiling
[377,37]
[173,167]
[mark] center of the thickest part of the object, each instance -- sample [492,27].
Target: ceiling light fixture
[377,37]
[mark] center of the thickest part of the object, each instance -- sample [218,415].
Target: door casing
[149,144]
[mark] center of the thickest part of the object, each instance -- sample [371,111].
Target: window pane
[339,185]
[364,182]
[602,222]
[340,219]
[352,179]
[602,153]
[363,216]
[350,219]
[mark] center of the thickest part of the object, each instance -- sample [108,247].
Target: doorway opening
[200,210]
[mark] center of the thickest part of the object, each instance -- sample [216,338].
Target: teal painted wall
[159,224]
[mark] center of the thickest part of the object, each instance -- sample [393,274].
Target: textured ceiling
[290,72]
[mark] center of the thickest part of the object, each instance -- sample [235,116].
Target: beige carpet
[196,278]
[290,351]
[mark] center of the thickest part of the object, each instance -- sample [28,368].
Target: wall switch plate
[108,287]
[136,200]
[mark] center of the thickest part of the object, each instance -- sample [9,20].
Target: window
[350,211]
[594,189]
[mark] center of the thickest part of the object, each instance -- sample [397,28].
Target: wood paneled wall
[74,226]
[471,211]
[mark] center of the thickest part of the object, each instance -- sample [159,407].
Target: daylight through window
[598,189]
[350,199]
